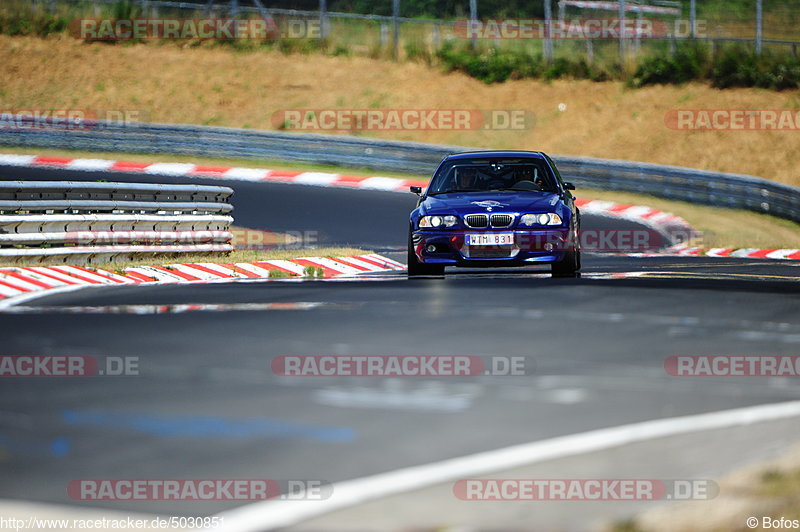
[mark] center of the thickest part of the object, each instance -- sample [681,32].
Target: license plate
[490,239]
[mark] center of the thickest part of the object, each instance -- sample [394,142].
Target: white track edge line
[24,298]
[269,515]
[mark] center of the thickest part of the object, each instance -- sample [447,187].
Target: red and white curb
[322,179]
[664,222]
[18,283]
[748,253]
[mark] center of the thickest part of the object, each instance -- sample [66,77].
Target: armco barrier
[696,186]
[83,222]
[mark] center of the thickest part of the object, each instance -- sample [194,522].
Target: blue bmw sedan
[494,209]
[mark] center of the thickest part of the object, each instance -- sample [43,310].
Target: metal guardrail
[672,182]
[85,222]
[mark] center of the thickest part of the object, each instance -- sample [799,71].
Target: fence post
[590,51]
[759,21]
[384,34]
[436,36]
[473,17]
[638,42]
[692,18]
[323,18]
[396,28]
[548,28]
[621,33]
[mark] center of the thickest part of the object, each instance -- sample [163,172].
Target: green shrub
[417,51]
[490,66]
[689,62]
[563,67]
[737,66]
[301,46]
[340,50]
[29,19]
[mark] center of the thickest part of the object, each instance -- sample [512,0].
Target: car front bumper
[530,246]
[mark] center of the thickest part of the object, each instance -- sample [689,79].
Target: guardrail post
[759,22]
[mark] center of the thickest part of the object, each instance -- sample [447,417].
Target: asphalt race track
[207,405]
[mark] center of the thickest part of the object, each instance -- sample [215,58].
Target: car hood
[499,202]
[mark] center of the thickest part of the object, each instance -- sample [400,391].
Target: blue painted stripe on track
[204,426]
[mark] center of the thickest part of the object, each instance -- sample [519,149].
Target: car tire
[570,265]
[417,268]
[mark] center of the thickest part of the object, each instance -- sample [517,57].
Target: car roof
[495,153]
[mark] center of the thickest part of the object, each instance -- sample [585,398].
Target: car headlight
[546,218]
[438,221]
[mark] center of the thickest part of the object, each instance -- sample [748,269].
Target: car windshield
[481,175]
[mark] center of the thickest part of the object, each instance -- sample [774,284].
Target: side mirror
[569,186]
[416,190]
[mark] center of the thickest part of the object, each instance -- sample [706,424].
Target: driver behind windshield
[528,174]
[466,178]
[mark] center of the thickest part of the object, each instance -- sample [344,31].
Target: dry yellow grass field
[220,86]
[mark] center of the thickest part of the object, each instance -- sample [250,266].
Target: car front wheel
[570,265]
[417,268]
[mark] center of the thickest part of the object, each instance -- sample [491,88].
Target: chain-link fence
[418,27]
